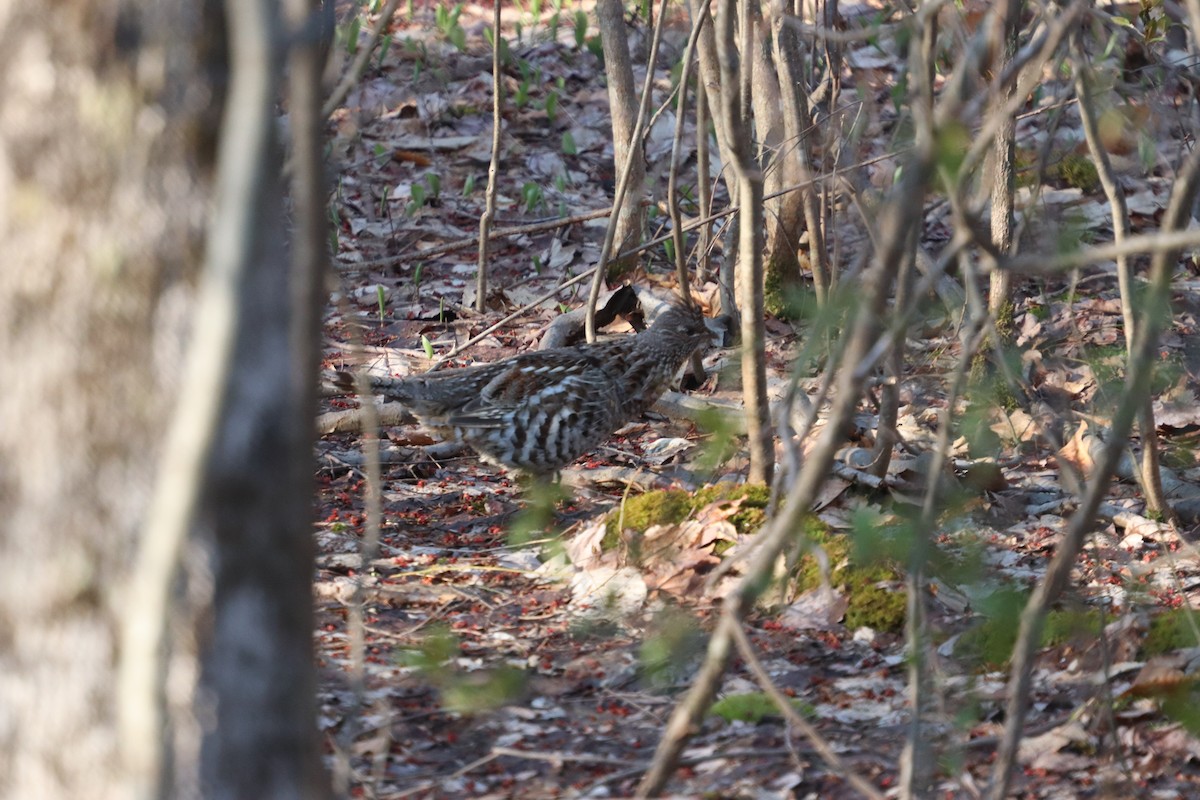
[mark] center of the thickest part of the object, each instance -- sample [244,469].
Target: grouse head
[681,324]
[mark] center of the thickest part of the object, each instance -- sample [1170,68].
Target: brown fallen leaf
[819,609]
[411,157]
[1160,677]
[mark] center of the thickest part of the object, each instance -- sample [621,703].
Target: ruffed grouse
[539,411]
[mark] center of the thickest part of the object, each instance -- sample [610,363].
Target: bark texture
[108,141]
[106,146]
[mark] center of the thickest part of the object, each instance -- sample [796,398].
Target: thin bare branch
[784,704]
[355,73]
[1137,386]
[1150,477]
[900,215]
[629,167]
[489,212]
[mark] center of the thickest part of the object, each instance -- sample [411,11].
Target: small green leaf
[531,193]
[581,28]
[352,30]
[379,294]
[427,346]
[468,185]
[568,144]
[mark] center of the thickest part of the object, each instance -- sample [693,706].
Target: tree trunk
[782,215]
[760,439]
[623,105]
[107,149]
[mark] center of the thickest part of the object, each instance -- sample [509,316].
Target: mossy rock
[645,510]
[674,505]
[751,513]
[1078,172]
[872,588]
[876,599]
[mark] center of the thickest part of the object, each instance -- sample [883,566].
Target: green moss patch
[753,707]
[674,505]
[872,587]
[645,510]
[990,642]
[1078,172]
[1170,631]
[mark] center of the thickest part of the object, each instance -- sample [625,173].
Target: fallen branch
[351,420]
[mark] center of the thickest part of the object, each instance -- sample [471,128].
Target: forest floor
[505,654]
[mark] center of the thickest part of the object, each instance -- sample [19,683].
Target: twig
[553,224]
[677,232]
[350,420]
[1024,70]
[354,74]
[1137,384]
[489,212]
[749,292]
[1150,476]
[797,721]
[561,757]
[610,233]
[899,216]
[462,244]
[355,618]
[1155,244]
[489,330]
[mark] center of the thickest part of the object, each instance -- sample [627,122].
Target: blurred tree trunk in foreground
[153,386]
